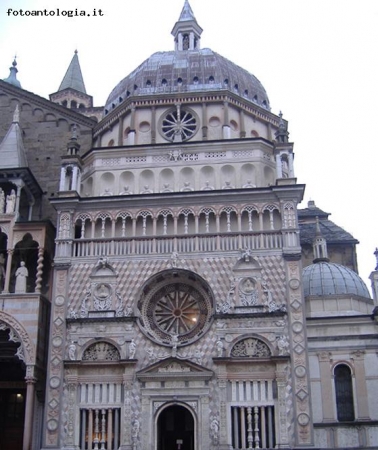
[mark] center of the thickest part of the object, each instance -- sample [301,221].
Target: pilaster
[303,429]
[54,391]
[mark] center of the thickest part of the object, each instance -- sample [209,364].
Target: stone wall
[46,131]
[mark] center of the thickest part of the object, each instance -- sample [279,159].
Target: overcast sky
[317,60]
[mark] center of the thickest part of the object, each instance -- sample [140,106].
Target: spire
[12,79]
[187,32]
[186,13]
[12,151]
[73,78]
[319,244]
[376,257]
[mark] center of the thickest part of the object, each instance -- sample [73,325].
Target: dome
[198,70]
[325,278]
[12,79]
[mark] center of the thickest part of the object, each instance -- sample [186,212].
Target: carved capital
[324,356]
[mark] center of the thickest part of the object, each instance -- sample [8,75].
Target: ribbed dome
[324,278]
[188,71]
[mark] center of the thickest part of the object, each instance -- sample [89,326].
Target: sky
[317,60]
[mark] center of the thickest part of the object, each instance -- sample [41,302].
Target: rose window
[175,304]
[179,124]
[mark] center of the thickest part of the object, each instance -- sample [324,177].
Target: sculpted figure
[11,202]
[249,184]
[107,192]
[228,185]
[132,349]
[21,277]
[220,347]
[72,351]
[126,191]
[207,186]
[186,187]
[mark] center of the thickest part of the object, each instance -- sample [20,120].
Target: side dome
[325,278]
[190,71]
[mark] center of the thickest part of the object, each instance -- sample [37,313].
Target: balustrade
[253,427]
[99,428]
[144,245]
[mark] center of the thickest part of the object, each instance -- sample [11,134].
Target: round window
[178,304]
[179,124]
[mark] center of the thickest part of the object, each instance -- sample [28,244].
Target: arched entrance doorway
[175,429]
[12,394]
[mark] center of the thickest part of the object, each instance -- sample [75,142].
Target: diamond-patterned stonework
[302,394]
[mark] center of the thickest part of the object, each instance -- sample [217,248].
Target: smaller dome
[12,79]
[325,278]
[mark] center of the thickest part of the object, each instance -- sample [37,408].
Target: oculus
[175,306]
[179,124]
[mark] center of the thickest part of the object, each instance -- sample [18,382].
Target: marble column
[29,407]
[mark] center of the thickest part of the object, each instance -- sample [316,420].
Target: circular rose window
[175,305]
[178,124]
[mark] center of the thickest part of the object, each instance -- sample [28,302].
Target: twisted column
[38,283]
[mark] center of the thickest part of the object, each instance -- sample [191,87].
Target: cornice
[184,97]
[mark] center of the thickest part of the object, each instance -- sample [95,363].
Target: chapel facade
[191,304]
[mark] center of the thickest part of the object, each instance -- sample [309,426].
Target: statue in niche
[2,201]
[147,189]
[186,187]
[126,191]
[107,193]
[207,187]
[166,188]
[21,277]
[228,185]
[11,202]
[249,184]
